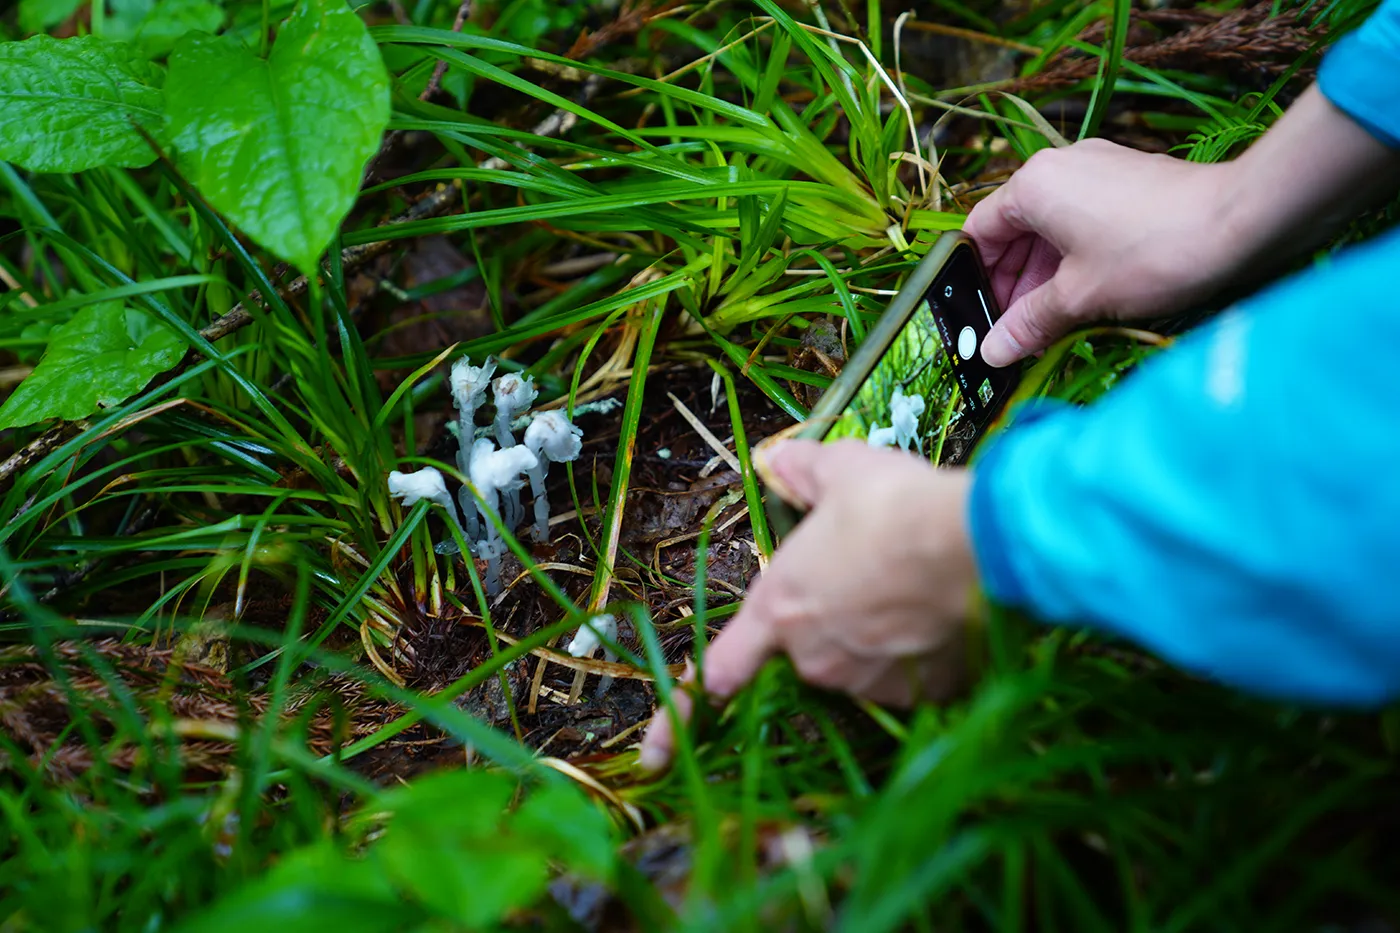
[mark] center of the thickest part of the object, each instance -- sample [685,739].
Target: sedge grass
[1080,786]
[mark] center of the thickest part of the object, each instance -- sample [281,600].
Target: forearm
[1312,171]
[1333,154]
[1233,506]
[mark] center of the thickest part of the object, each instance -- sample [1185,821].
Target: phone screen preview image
[930,391]
[919,381]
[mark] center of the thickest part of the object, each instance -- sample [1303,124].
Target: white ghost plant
[426,483]
[596,631]
[514,394]
[904,418]
[552,438]
[492,471]
[469,385]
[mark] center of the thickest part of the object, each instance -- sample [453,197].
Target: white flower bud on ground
[882,437]
[600,628]
[426,483]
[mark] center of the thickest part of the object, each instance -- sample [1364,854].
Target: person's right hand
[1097,231]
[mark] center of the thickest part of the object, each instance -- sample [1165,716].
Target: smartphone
[918,380]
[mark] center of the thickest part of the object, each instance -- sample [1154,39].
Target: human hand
[1096,231]
[867,595]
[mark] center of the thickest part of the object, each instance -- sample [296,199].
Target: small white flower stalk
[492,471]
[552,438]
[514,396]
[426,483]
[596,631]
[469,385]
[904,427]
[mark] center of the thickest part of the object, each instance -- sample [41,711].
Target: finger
[731,661]
[1030,325]
[810,468]
[659,743]
[1039,266]
[997,221]
[1007,271]
[736,654]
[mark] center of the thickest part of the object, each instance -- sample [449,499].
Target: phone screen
[931,392]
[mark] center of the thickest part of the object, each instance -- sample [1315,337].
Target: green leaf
[72,104]
[38,15]
[278,145]
[447,846]
[316,889]
[103,356]
[171,19]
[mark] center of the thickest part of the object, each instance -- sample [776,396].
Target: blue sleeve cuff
[1361,74]
[989,544]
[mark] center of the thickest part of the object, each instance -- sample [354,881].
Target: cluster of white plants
[499,468]
[903,429]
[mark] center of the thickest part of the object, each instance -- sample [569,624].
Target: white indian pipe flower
[469,383]
[552,437]
[492,471]
[881,437]
[591,634]
[426,483]
[904,418]
[514,395]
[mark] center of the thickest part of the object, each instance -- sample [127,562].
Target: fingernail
[1000,349]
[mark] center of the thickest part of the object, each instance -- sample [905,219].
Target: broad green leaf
[278,145]
[72,104]
[447,846]
[103,356]
[316,889]
[123,17]
[171,19]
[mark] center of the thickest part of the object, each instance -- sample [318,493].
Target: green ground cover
[239,684]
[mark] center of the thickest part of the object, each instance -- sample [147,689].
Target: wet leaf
[278,145]
[72,104]
[171,19]
[103,356]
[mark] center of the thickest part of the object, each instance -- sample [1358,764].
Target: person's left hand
[867,595]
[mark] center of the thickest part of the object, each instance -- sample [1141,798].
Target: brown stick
[440,69]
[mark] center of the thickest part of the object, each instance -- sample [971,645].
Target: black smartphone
[918,380]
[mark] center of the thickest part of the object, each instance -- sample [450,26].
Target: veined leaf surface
[278,145]
[103,356]
[72,104]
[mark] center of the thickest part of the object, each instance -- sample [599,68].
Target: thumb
[1032,323]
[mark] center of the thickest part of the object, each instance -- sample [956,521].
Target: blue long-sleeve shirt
[1234,505]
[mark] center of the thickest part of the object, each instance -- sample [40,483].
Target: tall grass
[752,170]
